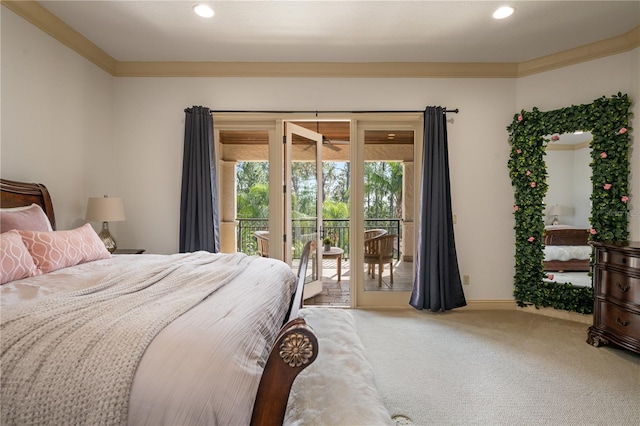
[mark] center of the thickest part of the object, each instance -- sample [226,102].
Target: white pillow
[26,218]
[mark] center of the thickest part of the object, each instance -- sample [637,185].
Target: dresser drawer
[620,320]
[615,258]
[617,285]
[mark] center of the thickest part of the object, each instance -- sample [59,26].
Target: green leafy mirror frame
[608,121]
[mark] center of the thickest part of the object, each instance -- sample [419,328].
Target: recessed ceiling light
[203,10]
[503,12]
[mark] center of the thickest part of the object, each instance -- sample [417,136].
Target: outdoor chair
[262,237]
[373,233]
[368,235]
[379,251]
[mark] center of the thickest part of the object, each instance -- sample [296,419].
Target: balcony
[305,229]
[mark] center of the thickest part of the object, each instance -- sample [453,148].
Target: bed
[566,249]
[192,338]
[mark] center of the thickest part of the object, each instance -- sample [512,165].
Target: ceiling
[343,31]
[335,133]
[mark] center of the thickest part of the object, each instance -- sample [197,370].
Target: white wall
[581,84]
[92,134]
[581,197]
[149,131]
[569,179]
[56,119]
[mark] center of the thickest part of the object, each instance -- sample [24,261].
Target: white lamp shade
[105,209]
[555,210]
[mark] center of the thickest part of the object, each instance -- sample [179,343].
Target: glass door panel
[388,182]
[303,201]
[387,265]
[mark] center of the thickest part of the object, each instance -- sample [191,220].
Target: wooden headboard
[566,237]
[18,194]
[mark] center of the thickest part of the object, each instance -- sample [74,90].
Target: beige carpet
[497,368]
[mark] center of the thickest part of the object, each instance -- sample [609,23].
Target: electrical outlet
[455,219]
[465,279]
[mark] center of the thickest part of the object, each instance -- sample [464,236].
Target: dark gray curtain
[437,284]
[199,220]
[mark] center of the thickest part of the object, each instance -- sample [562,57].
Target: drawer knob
[624,288]
[623,323]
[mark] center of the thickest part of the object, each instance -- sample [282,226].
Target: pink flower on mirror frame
[520,118]
[550,276]
[623,131]
[531,239]
[593,231]
[519,151]
[533,184]
[603,155]
[607,186]
[516,208]
[624,199]
[528,172]
[555,138]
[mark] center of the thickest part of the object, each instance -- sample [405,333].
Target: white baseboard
[509,305]
[486,305]
[555,313]
[490,305]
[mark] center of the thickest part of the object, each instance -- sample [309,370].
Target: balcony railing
[304,230]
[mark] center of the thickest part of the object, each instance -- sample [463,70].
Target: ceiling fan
[331,143]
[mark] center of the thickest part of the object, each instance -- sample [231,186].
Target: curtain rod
[455,111]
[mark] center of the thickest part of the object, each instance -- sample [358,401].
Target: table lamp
[105,210]
[555,211]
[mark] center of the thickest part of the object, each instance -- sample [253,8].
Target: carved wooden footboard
[294,350]
[571,265]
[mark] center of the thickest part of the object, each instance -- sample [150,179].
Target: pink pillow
[17,263]
[60,249]
[30,218]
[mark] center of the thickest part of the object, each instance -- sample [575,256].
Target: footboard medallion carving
[296,349]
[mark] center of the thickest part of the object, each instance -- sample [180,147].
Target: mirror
[607,119]
[567,254]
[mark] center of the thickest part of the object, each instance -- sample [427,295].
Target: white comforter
[567,252]
[204,367]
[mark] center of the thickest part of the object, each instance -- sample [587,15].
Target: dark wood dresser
[616,310]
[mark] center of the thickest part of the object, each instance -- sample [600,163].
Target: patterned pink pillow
[31,218]
[59,249]
[17,263]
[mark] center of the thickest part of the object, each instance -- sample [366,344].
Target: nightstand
[129,251]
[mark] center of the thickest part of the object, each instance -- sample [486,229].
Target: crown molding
[599,49]
[40,17]
[317,69]
[561,147]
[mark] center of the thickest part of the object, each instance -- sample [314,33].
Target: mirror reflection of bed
[567,253]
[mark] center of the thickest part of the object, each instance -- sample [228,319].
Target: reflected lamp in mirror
[105,210]
[555,211]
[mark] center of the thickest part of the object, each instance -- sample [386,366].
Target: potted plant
[327,241]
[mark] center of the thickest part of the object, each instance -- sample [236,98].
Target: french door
[303,207]
[294,156]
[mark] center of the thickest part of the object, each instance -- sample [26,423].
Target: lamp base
[108,241]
